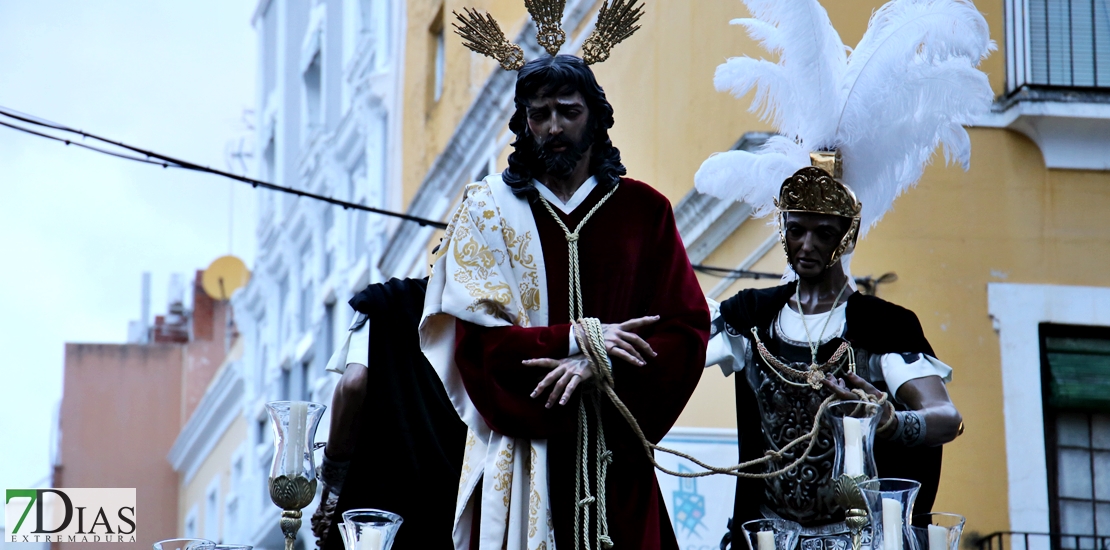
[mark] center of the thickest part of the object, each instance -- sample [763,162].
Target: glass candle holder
[293,470]
[854,424]
[343,534]
[369,529]
[184,544]
[771,534]
[938,531]
[889,507]
[294,424]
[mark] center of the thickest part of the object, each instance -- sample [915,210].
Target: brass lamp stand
[293,471]
[291,494]
[850,499]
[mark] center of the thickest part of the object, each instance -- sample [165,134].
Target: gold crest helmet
[817,189]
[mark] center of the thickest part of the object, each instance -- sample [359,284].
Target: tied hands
[842,388]
[621,342]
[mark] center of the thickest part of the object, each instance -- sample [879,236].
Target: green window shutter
[1079,373]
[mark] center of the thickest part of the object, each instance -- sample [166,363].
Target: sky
[78,229]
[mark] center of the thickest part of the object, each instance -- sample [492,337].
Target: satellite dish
[226,275]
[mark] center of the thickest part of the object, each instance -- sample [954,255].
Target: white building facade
[328,105]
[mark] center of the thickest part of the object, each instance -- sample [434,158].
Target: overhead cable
[166,161]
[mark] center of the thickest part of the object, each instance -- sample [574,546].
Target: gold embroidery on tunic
[503,481]
[533,496]
[467,469]
[477,257]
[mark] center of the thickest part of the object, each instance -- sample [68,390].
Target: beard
[560,165]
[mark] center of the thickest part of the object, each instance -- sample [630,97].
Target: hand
[322,519]
[622,343]
[564,378]
[842,388]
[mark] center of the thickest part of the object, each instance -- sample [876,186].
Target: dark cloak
[873,324]
[409,448]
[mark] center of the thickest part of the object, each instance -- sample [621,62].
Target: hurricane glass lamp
[293,470]
[369,529]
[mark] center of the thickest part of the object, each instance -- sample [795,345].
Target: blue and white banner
[699,507]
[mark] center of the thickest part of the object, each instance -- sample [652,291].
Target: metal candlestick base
[850,499]
[291,494]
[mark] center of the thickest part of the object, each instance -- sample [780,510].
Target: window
[305,313]
[286,385]
[1059,43]
[260,370]
[437,50]
[306,380]
[366,15]
[377,150]
[283,301]
[314,115]
[357,226]
[378,22]
[306,306]
[329,250]
[1076,375]
[263,428]
[269,172]
[212,511]
[296,382]
[232,526]
[191,523]
[269,48]
[329,330]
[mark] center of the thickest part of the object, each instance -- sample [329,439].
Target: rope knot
[607,456]
[572,237]
[605,541]
[586,501]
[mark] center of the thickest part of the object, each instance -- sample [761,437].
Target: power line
[166,161]
[726,273]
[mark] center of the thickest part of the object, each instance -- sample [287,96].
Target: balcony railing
[1058,44]
[1011,540]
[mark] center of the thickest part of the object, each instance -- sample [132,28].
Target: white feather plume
[790,94]
[809,72]
[910,85]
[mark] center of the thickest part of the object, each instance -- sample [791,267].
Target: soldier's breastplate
[787,409]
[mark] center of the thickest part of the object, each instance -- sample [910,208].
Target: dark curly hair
[560,74]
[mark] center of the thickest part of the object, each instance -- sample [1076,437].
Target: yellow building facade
[983,257]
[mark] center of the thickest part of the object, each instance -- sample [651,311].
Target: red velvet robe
[633,264]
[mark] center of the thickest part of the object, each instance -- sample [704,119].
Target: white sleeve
[338,361]
[572,347]
[359,350]
[728,352]
[897,371]
[725,350]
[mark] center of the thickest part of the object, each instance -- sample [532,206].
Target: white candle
[298,417]
[892,524]
[938,538]
[765,540]
[371,539]
[853,446]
